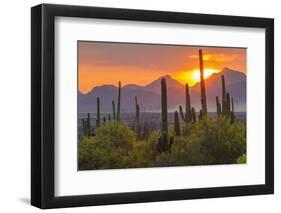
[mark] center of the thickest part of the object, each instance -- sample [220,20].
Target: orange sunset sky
[102,63]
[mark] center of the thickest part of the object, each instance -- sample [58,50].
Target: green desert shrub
[108,149]
[182,153]
[242,159]
[222,142]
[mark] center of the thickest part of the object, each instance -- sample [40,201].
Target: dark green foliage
[177,124]
[209,142]
[202,84]
[108,149]
[242,159]
[119,101]
[113,110]
[193,115]
[221,142]
[98,112]
[145,132]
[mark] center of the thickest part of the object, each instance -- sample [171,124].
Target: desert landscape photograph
[160,105]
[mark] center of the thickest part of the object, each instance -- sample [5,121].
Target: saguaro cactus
[119,101]
[227,104]
[98,112]
[177,124]
[193,115]
[163,143]
[232,111]
[83,127]
[223,101]
[202,84]
[137,115]
[113,110]
[89,125]
[186,117]
[218,106]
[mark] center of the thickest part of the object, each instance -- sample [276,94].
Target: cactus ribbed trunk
[98,112]
[183,117]
[164,115]
[177,124]
[223,101]
[202,84]
[119,101]
[227,104]
[232,111]
[89,125]
[113,110]
[187,104]
[137,115]
[193,115]
[218,106]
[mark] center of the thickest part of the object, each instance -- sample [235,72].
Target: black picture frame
[43,102]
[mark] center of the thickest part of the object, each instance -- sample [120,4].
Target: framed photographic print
[140,106]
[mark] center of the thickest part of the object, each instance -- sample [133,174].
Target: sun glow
[193,76]
[207,73]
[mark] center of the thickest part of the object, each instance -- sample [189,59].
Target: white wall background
[15,105]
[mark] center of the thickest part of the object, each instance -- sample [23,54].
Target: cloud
[216,57]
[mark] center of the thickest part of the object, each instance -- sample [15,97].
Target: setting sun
[207,73]
[193,76]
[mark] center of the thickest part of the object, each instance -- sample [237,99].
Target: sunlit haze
[107,63]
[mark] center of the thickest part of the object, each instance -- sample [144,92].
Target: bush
[222,142]
[108,149]
[242,159]
[208,142]
[182,153]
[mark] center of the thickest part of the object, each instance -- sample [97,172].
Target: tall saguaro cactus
[193,115]
[227,104]
[119,101]
[232,111]
[218,106]
[98,112]
[163,143]
[223,101]
[113,110]
[187,116]
[137,115]
[89,125]
[202,84]
[177,124]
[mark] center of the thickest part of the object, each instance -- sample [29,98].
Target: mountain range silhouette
[149,96]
